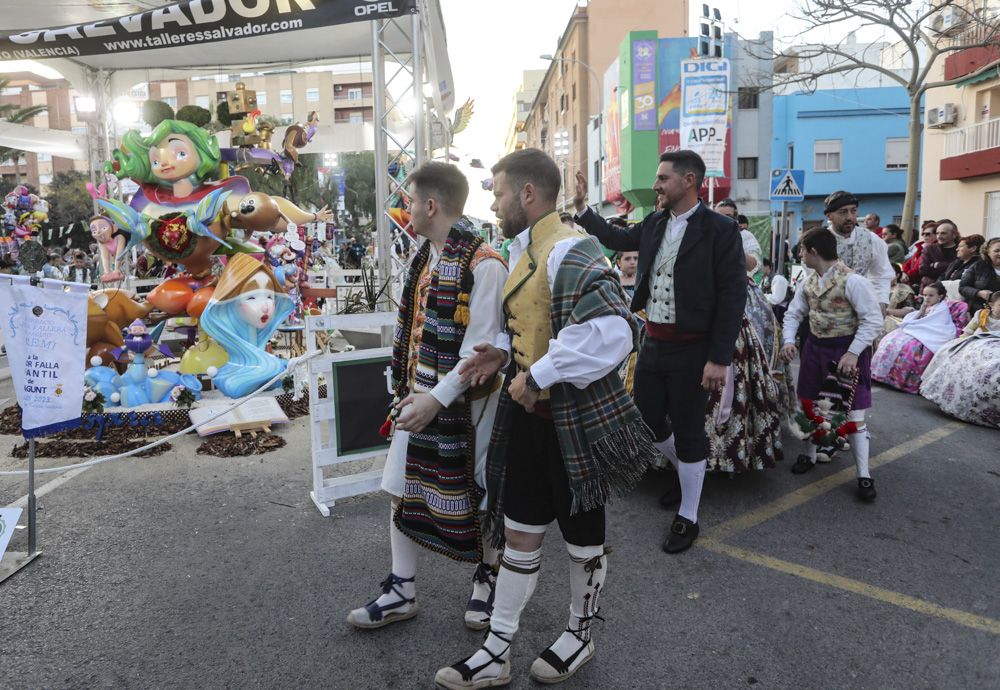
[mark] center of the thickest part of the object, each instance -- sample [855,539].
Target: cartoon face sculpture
[101,229]
[174,158]
[255,305]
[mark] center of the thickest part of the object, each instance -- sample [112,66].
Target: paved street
[199,572]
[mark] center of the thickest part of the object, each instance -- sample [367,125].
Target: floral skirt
[964,380]
[744,421]
[900,361]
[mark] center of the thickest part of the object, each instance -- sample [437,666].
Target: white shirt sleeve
[485,324]
[585,352]
[861,295]
[881,273]
[797,310]
[751,247]
[779,289]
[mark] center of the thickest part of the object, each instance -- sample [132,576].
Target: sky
[489,49]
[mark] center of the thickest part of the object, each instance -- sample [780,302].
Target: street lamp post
[600,118]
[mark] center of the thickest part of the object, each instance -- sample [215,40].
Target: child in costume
[844,319]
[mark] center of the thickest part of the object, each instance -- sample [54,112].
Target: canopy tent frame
[408,53]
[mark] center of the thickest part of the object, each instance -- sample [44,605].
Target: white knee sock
[669,450]
[860,443]
[404,564]
[588,569]
[692,476]
[515,585]
[811,452]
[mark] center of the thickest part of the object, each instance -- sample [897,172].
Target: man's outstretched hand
[482,366]
[580,192]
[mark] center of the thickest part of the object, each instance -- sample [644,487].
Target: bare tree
[922,33]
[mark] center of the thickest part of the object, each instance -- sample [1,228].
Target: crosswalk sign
[788,184]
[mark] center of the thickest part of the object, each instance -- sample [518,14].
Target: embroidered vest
[662,304]
[830,313]
[527,297]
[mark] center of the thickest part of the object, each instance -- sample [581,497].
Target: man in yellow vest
[844,319]
[567,436]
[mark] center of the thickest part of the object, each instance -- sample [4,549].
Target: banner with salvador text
[191,23]
[705,111]
[45,332]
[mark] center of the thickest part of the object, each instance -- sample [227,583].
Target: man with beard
[436,466]
[692,283]
[862,251]
[567,436]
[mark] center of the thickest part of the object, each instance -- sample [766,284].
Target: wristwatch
[530,382]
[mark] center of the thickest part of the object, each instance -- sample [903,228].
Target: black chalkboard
[361,401]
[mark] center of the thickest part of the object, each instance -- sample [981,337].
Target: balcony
[972,151]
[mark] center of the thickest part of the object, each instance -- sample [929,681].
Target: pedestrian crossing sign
[788,184]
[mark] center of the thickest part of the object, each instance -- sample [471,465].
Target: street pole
[783,235]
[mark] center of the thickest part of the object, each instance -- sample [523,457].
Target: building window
[992,214]
[312,95]
[79,129]
[170,100]
[705,31]
[746,168]
[354,94]
[261,98]
[286,96]
[897,154]
[357,118]
[201,101]
[45,179]
[826,155]
[44,157]
[748,98]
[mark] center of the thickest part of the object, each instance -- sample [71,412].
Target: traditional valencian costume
[585,442]
[451,302]
[844,316]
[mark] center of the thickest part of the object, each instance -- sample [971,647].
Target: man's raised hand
[580,192]
[483,366]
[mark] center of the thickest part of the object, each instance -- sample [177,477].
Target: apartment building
[531,80]
[26,90]
[961,154]
[569,95]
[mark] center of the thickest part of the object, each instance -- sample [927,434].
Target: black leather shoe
[866,489]
[682,534]
[802,465]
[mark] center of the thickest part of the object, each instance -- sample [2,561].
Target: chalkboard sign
[361,401]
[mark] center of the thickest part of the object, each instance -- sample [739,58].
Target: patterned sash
[440,503]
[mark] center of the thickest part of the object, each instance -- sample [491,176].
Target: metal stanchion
[16,560]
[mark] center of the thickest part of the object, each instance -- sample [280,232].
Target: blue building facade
[852,139]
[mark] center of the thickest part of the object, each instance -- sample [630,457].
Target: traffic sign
[788,184]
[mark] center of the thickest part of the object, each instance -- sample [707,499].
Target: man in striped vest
[435,469]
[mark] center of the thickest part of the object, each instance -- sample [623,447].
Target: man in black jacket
[692,284]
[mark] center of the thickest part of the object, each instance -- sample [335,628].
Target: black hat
[839,200]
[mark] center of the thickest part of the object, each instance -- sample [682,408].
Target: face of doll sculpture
[256,302]
[174,158]
[101,230]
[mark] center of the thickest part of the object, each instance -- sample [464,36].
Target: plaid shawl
[606,447]
[439,505]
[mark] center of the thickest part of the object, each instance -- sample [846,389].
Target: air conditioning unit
[949,21]
[945,116]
